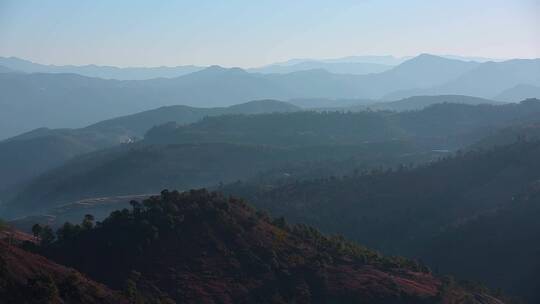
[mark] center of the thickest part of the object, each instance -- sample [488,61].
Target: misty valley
[359,179]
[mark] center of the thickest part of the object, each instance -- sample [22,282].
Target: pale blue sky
[254,33]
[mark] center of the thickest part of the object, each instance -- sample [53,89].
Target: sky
[254,33]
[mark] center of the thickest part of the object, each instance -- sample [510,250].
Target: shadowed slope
[30,278]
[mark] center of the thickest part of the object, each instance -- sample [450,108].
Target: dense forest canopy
[409,210]
[239,147]
[446,125]
[30,154]
[199,246]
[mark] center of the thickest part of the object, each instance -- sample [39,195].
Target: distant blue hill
[56,100]
[105,72]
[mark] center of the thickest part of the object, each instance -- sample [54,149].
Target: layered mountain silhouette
[420,102]
[91,99]
[374,59]
[105,72]
[231,147]
[487,80]
[519,92]
[32,153]
[434,158]
[354,68]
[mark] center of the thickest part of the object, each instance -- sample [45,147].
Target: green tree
[67,231]
[37,229]
[47,235]
[88,222]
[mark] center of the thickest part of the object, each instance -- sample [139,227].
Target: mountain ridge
[231,253]
[256,143]
[93,99]
[30,154]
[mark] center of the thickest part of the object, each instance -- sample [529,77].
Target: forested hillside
[269,152]
[140,168]
[231,147]
[403,211]
[200,247]
[30,278]
[30,154]
[443,126]
[499,247]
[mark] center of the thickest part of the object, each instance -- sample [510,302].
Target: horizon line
[284,62]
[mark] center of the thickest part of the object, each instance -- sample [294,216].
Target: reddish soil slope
[200,247]
[30,278]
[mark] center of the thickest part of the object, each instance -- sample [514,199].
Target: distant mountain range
[519,92]
[378,60]
[346,65]
[382,59]
[37,100]
[357,68]
[487,80]
[105,72]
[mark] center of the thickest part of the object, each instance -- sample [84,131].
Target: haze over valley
[91,99]
[270,152]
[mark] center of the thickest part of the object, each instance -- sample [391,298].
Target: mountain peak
[219,70]
[430,57]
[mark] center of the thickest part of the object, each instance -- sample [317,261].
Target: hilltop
[201,247]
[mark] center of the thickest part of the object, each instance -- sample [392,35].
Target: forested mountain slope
[231,147]
[403,211]
[200,247]
[499,248]
[448,126]
[139,169]
[30,278]
[420,102]
[28,155]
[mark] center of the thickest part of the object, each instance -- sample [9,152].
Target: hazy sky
[257,32]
